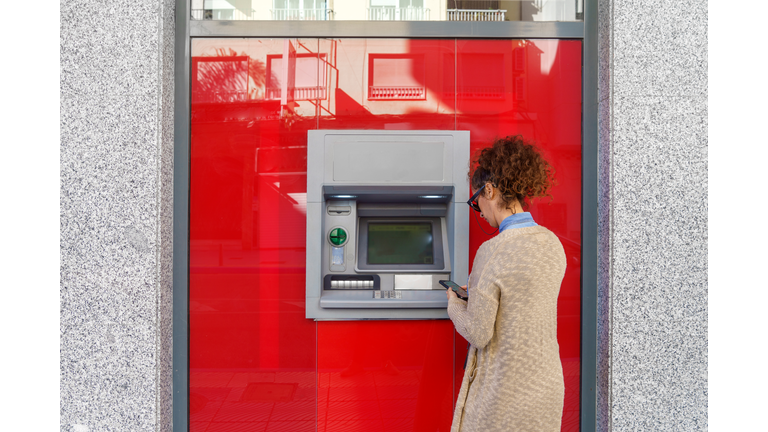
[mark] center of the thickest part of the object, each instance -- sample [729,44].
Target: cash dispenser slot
[355,282]
[337,210]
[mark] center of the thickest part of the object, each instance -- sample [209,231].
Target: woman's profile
[513,379]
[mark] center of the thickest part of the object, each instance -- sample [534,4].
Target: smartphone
[456,288]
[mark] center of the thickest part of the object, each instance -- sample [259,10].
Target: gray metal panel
[401,210]
[410,145]
[459,216]
[528,30]
[314,254]
[314,174]
[181,163]
[371,193]
[392,161]
[460,166]
[323,314]
[389,29]
[364,299]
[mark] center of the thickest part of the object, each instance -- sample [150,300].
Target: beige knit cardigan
[514,379]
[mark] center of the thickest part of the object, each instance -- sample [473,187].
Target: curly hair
[516,167]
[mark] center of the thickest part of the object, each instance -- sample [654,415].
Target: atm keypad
[387,294]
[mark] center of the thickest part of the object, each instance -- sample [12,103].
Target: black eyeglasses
[472,202]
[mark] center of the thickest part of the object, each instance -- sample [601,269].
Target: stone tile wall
[116,214]
[653,308]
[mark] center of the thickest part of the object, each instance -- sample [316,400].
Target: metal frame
[586,31]
[388,29]
[181,162]
[589,183]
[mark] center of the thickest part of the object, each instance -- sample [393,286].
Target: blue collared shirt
[517,220]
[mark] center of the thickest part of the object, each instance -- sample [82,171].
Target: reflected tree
[228,76]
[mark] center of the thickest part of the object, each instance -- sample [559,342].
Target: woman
[513,379]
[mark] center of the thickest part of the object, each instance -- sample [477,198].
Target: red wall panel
[540,99]
[255,362]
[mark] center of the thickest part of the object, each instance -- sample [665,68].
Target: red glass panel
[252,352]
[255,362]
[538,95]
[388,84]
[385,375]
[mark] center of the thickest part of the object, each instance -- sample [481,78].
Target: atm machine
[386,220]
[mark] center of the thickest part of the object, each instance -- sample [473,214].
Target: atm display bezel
[438,248]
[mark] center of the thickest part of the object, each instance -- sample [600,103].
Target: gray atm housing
[361,177]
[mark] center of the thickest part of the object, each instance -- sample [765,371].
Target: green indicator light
[338,236]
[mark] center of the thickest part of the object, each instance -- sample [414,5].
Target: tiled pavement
[368,400]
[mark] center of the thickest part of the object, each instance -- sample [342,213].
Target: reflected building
[388,10]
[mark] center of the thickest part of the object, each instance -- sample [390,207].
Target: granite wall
[653,225]
[116,165]
[116,215]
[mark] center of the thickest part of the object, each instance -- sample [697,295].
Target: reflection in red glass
[387,84]
[396,77]
[255,362]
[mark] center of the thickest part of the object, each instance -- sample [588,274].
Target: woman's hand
[449,292]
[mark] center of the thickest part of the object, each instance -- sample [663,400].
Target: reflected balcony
[302,14]
[396,93]
[475,15]
[476,92]
[394,13]
[299,93]
[219,96]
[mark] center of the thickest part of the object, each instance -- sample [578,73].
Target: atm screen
[400,243]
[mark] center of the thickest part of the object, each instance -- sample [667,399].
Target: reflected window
[396,77]
[301,10]
[309,78]
[398,10]
[481,76]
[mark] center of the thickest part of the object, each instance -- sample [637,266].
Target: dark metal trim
[186,29]
[388,29]
[181,161]
[589,179]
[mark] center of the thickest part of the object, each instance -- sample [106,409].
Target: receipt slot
[386,220]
